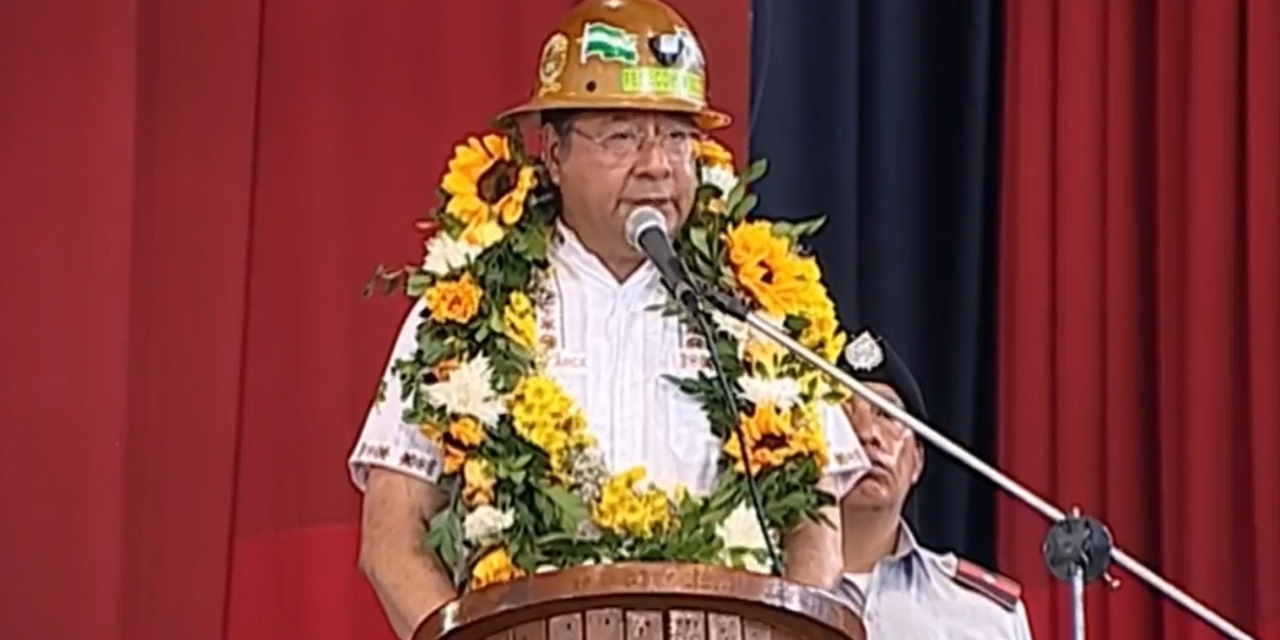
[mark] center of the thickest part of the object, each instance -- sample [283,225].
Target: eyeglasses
[627,142]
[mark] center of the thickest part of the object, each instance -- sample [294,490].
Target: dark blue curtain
[882,114]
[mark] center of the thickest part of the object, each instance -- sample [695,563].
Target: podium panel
[645,601]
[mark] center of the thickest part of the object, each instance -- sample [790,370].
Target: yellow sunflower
[546,417]
[454,300]
[510,206]
[823,333]
[457,442]
[519,322]
[477,487]
[773,437]
[496,567]
[783,282]
[713,154]
[626,510]
[486,186]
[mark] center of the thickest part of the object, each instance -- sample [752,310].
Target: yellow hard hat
[623,54]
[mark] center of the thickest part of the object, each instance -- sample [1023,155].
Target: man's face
[896,456]
[607,163]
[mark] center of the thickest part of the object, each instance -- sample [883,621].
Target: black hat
[869,358]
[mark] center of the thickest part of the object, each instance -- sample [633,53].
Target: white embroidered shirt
[609,352]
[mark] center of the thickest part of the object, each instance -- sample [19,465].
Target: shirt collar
[907,542]
[569,252]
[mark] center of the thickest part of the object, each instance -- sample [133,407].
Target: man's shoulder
[994,587]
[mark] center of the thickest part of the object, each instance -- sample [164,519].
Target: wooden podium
[644,601]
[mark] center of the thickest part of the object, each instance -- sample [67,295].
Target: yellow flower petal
[484,235]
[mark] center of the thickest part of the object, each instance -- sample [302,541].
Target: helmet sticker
[608,43]
[555,54]
[678,49]
[667,48]
[692,58]
[664,82]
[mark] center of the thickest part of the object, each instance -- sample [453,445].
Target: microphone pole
[646,231]
[1076,548]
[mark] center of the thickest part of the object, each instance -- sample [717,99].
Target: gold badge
[555,54]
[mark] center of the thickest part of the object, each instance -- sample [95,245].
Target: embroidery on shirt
[551,314]
[692,340]
[417,462]
[693,359]
[562,360]
[410,460]
[379,451]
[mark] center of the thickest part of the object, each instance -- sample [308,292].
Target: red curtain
[1140,301]
[194,193]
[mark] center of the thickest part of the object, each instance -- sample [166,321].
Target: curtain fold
[1139,343]
[883,115]
[194,195]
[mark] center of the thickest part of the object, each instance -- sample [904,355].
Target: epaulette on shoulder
[1004,591]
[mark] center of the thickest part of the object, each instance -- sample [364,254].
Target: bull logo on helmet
[679,49]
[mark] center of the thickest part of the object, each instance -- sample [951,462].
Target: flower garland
[528,489]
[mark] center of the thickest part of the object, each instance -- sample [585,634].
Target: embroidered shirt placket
[621,440]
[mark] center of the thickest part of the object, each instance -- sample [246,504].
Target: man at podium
[539,361]
[900,588]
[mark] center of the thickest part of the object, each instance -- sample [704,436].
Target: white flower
[587,473]
[742,332]
[485,525]
[719,176]
[468,391]
[783,393]
[740,532]
[736,328]
[444,254]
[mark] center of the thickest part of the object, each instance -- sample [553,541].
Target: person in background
[901,589]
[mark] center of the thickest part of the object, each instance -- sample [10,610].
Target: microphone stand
[1078,549]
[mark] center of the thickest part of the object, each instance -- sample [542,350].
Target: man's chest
[925,610]
[614,334]
[616,355]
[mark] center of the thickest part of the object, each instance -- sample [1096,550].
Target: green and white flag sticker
[608,43]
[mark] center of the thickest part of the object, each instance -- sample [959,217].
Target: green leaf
[445,536]
[698,238]
[417,283]
[571,507]
[755,171]
[537,245]
[735,196]
[796,231]
[795,324]
[812,225]
[554,537]
[725,499]
[523,554]
[744,207]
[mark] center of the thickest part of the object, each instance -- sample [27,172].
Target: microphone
[646,230]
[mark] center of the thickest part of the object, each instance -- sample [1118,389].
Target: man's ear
[553,149]
[919,466]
